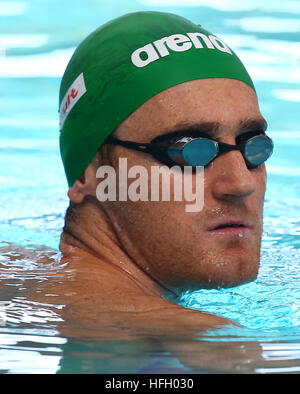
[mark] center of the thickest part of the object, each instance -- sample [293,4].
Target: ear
[84,186]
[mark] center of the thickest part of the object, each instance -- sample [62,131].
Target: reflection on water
[31,318]
[21,274]
[25,351]
[29,340]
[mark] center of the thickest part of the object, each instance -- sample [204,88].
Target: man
[159,83]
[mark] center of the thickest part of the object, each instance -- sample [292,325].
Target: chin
[236,265]
[223,273]
[235,281]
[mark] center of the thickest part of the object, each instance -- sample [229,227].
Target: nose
[231,179]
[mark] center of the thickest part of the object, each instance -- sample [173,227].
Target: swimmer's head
[122,65]
[141,77]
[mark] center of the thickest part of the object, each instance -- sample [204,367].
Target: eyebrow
[212,128]
[254,124]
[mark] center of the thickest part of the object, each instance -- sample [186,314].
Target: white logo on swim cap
[74,93]
[176,43]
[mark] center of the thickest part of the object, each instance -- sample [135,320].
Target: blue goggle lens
[258,149]
[201,151]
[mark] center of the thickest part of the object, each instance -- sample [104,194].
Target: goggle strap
[129,144]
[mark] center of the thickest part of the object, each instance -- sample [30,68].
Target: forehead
[225,102]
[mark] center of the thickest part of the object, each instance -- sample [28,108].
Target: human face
[183,250]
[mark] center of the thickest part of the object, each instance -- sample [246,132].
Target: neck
[90,233]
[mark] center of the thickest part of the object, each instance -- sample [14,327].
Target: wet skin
[175,249]
[140,252]
[123,260]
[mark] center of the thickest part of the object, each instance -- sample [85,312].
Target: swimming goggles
[195,150]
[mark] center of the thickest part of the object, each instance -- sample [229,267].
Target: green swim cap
[123,64]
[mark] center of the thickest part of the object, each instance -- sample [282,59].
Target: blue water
[37,38]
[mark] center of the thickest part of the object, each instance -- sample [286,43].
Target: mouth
[230,227]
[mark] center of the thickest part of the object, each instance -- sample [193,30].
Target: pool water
[36,42]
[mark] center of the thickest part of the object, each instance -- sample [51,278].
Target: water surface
[37,39]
